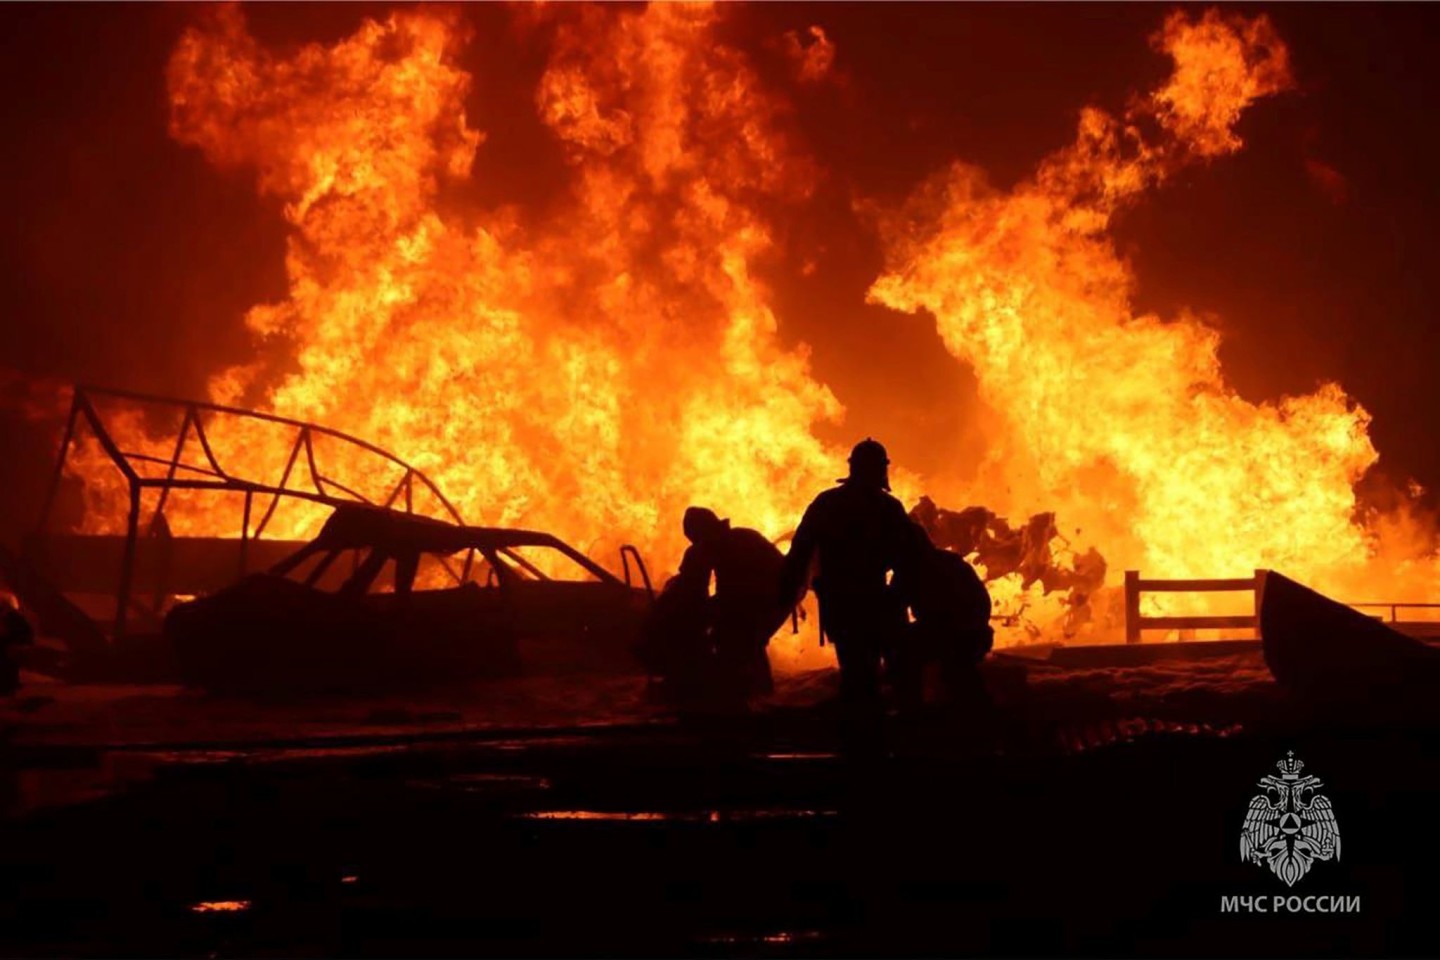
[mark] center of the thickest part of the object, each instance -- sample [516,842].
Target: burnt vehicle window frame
[494,544]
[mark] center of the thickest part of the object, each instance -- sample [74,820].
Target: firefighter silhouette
[855,536]
[716,645]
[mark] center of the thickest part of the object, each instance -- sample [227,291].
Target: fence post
[1132,606]
[1258,589]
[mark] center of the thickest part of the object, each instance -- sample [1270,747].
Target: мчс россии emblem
[1289,824]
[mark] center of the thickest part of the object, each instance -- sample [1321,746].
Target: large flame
[1123,423]
[590,374]
[594,370]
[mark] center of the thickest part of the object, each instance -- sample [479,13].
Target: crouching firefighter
[950,625]
[716,645]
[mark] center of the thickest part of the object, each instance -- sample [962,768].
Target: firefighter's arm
[795,574]
[696,567]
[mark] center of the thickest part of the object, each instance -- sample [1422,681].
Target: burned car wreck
[381,599]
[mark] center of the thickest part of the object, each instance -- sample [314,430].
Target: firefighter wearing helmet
[852,537]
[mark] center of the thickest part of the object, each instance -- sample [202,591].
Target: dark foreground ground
[1069,824]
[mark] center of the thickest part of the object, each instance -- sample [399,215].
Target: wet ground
[1094,813]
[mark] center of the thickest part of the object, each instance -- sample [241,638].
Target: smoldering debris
[1035,551]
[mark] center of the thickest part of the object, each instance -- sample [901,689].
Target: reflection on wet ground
[220,906]
[175,826]
[755,840]
[778,937]
[679,816]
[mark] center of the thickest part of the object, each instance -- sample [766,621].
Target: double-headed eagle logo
[1289,824]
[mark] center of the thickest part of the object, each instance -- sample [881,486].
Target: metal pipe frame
[215,477]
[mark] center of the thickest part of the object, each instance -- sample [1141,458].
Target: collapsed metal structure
[50,551]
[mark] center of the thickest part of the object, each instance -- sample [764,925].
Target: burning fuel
[593,373]
[596,368]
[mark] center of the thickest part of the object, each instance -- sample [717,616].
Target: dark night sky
[127,260]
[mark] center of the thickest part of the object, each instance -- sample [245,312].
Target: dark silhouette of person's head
[869,465]
[702,525]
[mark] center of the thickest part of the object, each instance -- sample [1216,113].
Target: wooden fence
[1135,623]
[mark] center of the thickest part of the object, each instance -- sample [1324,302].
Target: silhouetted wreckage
[1330,655]
[1028,550]
[381,599]
[392,572]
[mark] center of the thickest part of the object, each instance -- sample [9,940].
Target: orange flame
[595,369]
[591,374]
[1123,423]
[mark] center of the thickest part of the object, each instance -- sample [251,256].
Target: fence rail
[1135,586]
[1135,623]
[1394,609]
